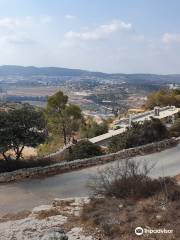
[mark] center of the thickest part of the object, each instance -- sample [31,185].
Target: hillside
[48,71]
[12,70]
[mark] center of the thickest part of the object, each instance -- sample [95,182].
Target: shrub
[83,149]
[175,129]
[91,128]
[163,97]
[128,179]
[117,218]
[52,144]
[139,134]
[124,197]
[12,165]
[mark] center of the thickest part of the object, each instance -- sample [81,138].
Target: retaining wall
[59,155]
[84,163]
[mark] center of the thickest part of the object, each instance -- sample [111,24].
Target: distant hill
[10,70]
[48,71]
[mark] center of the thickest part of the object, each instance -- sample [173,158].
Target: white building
[166,114]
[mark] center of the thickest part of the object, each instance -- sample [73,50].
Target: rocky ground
[46,222]
[64,220]
[82,218]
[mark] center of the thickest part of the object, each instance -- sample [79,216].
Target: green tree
[175,128]
[163,97]
[83,149]
[63,118]
[90,128]
[139,134]
[21,127]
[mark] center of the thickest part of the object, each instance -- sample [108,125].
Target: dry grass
[45,214]
[130,199]
[118,218]
[115,219]
[27,153]
[178,178]
[15,216]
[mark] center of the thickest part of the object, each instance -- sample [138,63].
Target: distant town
[99,94]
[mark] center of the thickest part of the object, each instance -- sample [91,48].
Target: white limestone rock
[77,234]
[42,208]
[29,228]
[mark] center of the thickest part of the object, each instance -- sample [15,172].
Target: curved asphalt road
[18,196]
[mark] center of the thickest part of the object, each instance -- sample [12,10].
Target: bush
[52,144]
[175,129]
[83,149]
[128,179]
[12,165]
[124,197]
[115,217]
[163,97]
[90,128]
[139,134]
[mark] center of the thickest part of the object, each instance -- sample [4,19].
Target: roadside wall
[59,155]
[85,163]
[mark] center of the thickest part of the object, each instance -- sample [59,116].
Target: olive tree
[21,127]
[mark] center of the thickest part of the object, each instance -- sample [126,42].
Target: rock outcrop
[47,222]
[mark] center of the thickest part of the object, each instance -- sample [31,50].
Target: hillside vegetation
[139,134]
[124,197]
[162,98]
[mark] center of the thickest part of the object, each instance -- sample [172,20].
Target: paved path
[27,194]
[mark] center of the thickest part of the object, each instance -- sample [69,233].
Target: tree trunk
[64,136]
[6,158]
[18,152]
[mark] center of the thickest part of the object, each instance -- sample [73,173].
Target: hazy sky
[105,35]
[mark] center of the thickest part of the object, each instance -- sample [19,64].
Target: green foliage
[91,129]
[139,134]
[83,149]
[162,98]
[57,102]
[175,128]
[63,118]
[52,144]
[21,127]
[9,166]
